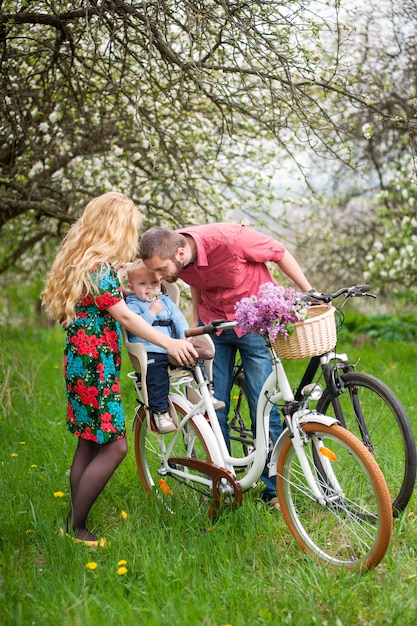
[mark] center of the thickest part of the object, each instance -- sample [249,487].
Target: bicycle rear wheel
[150,452]
[352,527]
[369,409]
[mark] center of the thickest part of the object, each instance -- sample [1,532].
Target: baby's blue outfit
[169,312]
[157,378]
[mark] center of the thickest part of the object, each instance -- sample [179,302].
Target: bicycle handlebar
[210,329]
[355,291]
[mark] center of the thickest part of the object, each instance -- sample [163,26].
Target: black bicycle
[360,402]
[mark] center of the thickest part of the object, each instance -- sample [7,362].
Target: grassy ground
[244,570]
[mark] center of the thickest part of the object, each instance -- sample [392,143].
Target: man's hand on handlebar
[356,291]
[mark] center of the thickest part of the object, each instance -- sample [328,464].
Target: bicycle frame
[276,388]
[278,380]
[302,460]
[340,362]
[312,368]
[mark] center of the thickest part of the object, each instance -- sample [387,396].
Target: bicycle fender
[181,401]
[310,417]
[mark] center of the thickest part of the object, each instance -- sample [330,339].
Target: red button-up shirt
[230,265]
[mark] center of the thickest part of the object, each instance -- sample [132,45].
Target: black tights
[92,467]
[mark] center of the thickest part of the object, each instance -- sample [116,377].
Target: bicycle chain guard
[217,474]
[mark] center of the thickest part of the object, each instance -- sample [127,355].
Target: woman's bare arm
[180,349]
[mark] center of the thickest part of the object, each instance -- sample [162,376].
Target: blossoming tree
[190,108]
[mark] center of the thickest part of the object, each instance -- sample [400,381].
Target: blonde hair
[107,230]
[137,267]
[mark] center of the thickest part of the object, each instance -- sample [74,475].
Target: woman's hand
[182,350]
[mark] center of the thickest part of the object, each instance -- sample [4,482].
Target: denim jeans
[157,381]
[257,366]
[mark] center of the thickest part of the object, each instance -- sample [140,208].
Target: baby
[158,310]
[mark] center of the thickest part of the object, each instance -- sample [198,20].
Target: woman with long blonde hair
[84,294]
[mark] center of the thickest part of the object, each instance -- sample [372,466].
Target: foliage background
[298,117]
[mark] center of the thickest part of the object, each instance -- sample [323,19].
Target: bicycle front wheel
[151,460]
[369,409]
[351,525]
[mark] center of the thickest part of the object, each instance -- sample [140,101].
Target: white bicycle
[332,493]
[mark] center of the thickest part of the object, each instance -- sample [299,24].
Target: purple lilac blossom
[274,311]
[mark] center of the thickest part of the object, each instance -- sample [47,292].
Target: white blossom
[368,131]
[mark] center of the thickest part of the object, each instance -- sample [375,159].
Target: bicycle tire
[149,452]
[353,528]
[241,436]
[388,435]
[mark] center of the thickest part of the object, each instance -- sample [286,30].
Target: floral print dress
[92,359]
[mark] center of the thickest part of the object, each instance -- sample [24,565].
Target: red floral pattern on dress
[111,338]
[92,361]
[107,300]
[88,395]
[86,344]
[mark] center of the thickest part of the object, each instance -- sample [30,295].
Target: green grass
[181,569]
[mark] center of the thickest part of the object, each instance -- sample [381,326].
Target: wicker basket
[313,337]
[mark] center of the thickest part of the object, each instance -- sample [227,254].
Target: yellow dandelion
[122,571]
[22,443]
[34,465]
[58,494]
[123,514]
[29,531]
[91,565]
[393,366]
[14,454]
[122,562]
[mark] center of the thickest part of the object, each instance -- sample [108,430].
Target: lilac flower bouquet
[273,311]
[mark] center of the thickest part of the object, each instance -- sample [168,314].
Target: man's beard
[172,278]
